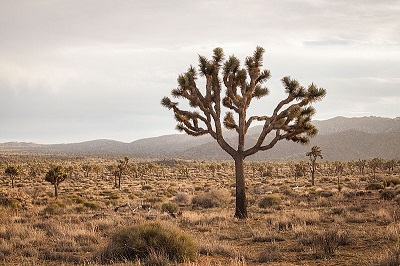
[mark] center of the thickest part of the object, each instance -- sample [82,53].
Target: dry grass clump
[212,248]
[149,240]
[324,243]
[391,258]
[182,199]
[388,194]
[205,221]
[270,201]
[374,186]
[170,208]
[271,253]
[392,232]
[212,198]
[266,236]
[394,181]
[291,220]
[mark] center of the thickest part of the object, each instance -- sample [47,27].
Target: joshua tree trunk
[313,173]
[241,202]
[56,190]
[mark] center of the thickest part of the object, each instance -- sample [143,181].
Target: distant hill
[340,138]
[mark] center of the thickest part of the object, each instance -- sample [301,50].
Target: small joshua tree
[290,120]
[87,168]
[313,155]
[374,165]
[12,171]
[361,165]
[55,176]
[122,168]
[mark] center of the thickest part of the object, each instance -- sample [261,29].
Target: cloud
[327,43]
[85,69]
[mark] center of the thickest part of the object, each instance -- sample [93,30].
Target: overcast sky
[77,70]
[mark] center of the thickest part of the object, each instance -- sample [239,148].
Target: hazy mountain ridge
[371,124]
[340,138]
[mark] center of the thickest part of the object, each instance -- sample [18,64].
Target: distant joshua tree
[87,168]
[12,171]
[55,176]
[300,169]
[375,164]
[290,120]
[361,165]
[390,165]
[313,155]
[122,168]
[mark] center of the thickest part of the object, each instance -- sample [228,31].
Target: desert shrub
[391,258]
[212,248]
[54,208]
[77,199]
[397,199]
[182,199]
[213,198]
[328,241]
[270,253]
[326,194]
[266,236]
[269,201]
[147,187]
[374,186]
[392,181]
[143,241]
[91,205]
[170,207]
[338,210]
[388,194]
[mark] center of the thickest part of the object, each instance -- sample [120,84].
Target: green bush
[141,242]
[213,198]
[269,201]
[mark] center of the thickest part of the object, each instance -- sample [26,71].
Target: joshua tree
[390,164]
[290,120]
[300,169]
[374,164]
[122,168]
[361,165]
[87,168]
[12,171]
[313,155]
[55,176]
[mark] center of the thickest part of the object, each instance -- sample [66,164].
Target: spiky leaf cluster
[315,153]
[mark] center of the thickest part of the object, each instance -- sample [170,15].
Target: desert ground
[349,217]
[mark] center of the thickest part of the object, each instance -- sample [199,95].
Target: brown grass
[306,226]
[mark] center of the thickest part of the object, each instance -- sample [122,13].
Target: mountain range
[340,138]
